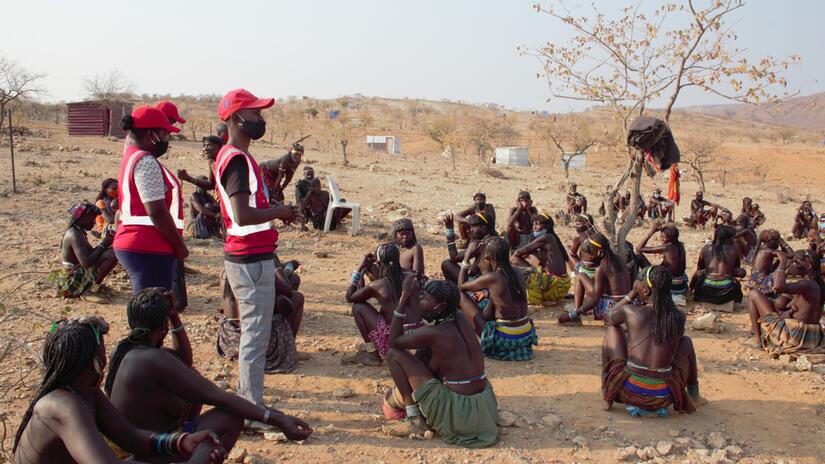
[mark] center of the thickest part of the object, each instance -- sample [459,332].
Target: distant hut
[386,143]
[94,118]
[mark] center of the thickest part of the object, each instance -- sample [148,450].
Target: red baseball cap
[239,99]
[149,117]
[170,110]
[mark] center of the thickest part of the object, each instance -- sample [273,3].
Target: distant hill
[806,112]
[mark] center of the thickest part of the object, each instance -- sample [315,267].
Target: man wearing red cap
[179,277]
[250,237]
[149,235]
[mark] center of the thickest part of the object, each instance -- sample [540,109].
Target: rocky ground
[761,409]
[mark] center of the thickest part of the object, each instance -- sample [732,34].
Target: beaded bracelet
[398,315]
[573,314]
[450,233]
[266,415]
[176,329]
[355,279]
[464,265]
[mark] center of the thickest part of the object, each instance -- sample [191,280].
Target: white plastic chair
[337,201]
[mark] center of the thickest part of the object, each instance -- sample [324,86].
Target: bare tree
[110,87]
[343,131]
[786,135]
[700,154]
[644,56]
[485,133]
[16,83]
[571,137]
[440,129]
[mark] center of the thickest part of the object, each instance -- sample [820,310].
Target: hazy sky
[454,49]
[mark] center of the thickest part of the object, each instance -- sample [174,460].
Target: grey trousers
[254,287]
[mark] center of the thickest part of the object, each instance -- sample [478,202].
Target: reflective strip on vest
[235,229]
[126,216]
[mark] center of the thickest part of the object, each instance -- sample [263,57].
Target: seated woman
[791,324]
[70,419]
[374,324]
[157,388]
[652,364]
[507,334]
[546,279]
[673,257]
[765,262]
[204,213]
[602,280]
[718,269]
[84,266]
[281,353]
[445,388]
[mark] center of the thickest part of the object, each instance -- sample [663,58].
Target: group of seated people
[432,334]
[151,406]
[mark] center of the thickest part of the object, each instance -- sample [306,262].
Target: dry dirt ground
[764,411]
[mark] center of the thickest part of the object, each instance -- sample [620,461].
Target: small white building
[512,156]
[386,143]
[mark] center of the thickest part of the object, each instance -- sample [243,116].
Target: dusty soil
[760,405]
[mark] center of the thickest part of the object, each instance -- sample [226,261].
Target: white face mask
[539,233]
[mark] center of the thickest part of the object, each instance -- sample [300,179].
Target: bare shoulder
[58,404]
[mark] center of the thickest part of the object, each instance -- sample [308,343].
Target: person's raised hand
[182,174]
[410,283]
[448,221]
[295,429]
[472,247]
[367,261]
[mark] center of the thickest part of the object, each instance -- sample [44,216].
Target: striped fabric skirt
[509,343]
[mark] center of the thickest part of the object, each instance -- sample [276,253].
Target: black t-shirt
[235,179]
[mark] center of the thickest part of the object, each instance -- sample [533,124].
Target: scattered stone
[580,441]
[787,358]
[506,419]
[381,236]
[705,322]
[673,433]
[320,254]
[222,385]
[625,454]
[277,437]
[664,447]
[237,455]
[552,420]
[683,441]
[641,454]
[819,369]
[733,451]
[428,435]
[802,364]
[327,429]
[343,393]
[717,440]
[650,452]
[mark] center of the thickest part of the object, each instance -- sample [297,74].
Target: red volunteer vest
[135,231]
[249,239]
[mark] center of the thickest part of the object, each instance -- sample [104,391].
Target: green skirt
[463,420]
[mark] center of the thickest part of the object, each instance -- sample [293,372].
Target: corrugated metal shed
[96,118]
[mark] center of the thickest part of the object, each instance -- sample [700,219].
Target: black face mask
[160,147]
[253,129]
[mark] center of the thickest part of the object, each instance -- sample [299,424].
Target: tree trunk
[566,169]
[701,179]
[344,151]
[635,205]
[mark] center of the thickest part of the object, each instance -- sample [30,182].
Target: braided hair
[403,224]
[447,293]
[147,311]
[497,249]
[597,243]
[389,264]
[67,353]
[668,321]
[547,222]
[722,236]
[672,233]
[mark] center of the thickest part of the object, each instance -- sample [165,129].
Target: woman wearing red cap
[150,230]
